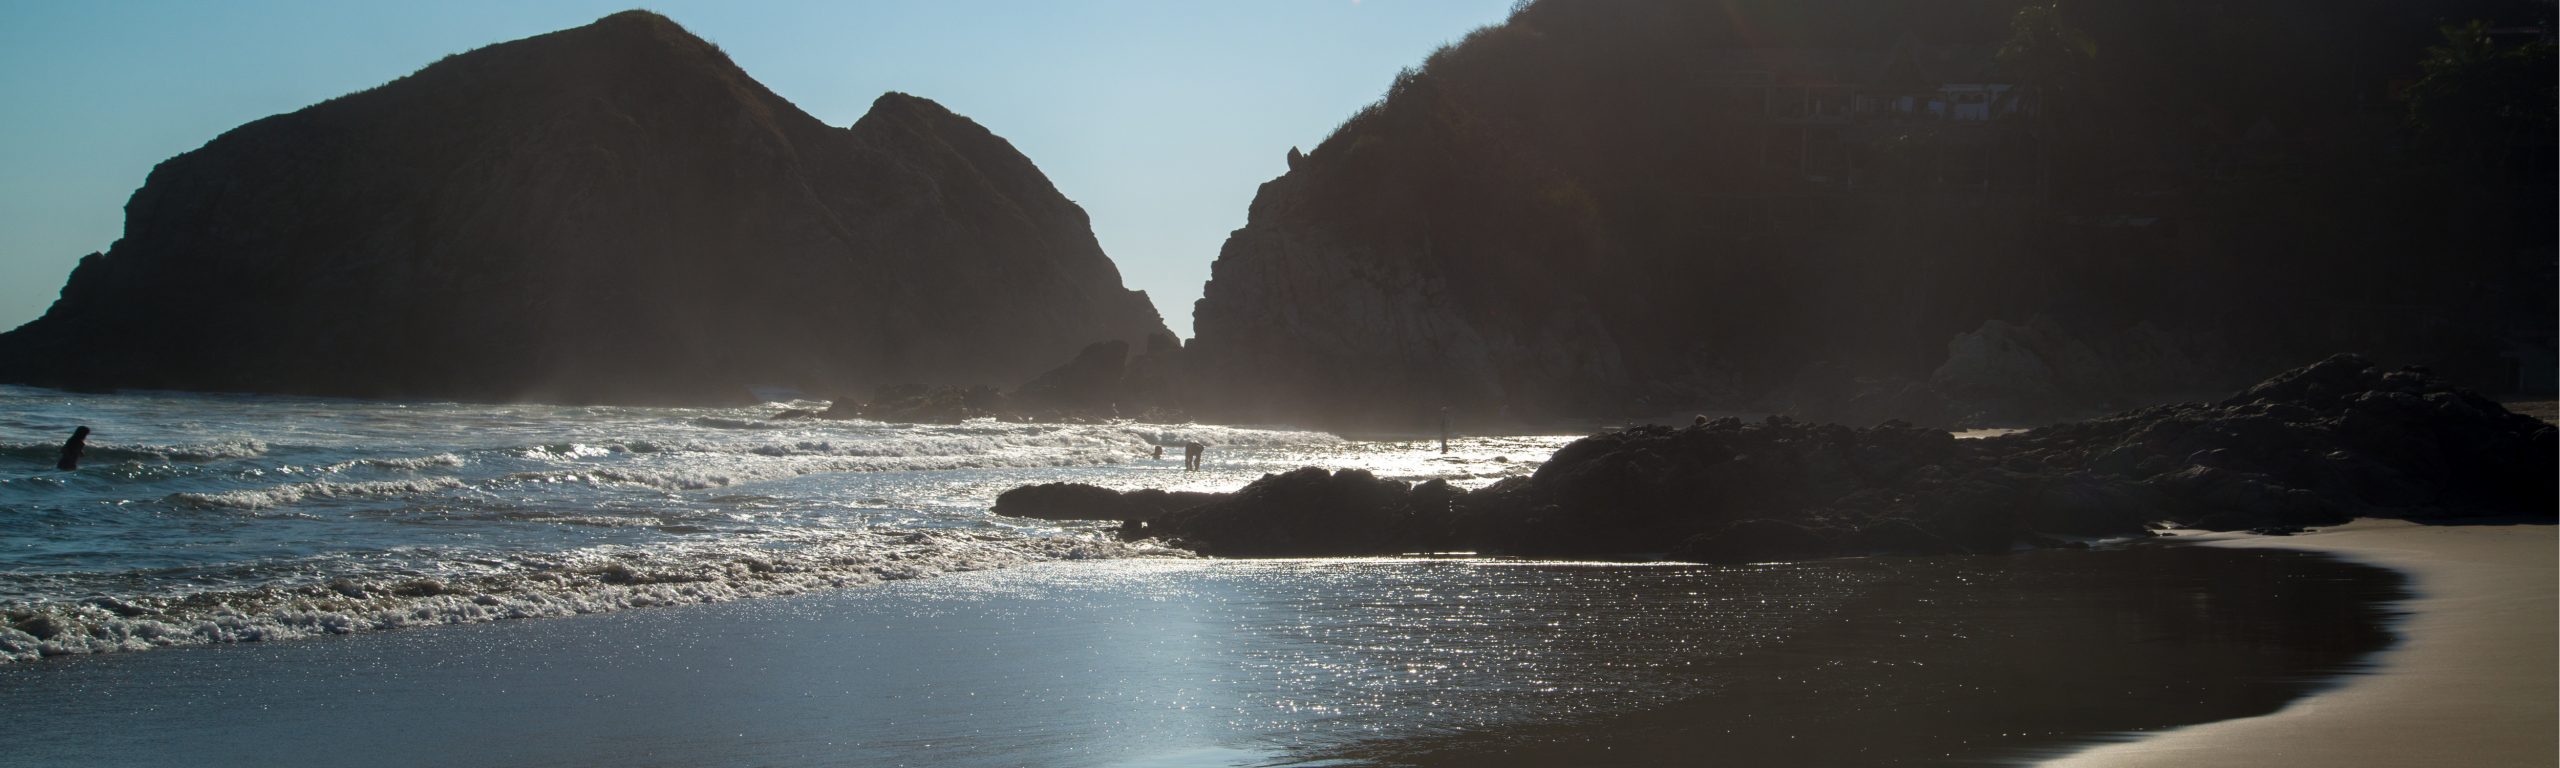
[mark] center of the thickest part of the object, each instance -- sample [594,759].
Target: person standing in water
[1192,450]
[71,451]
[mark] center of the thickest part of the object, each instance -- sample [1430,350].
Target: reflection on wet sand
[1974,659]
[1171,662]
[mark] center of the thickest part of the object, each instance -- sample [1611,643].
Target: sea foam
[588,581]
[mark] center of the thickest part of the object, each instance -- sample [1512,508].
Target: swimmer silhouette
[71,450]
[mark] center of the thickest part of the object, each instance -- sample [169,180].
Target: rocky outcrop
[613,212]
[2314,446]
[1078,501]
[1310,512]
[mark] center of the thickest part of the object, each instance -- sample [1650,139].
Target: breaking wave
[110,452]
[528,586]
[277,496]
[408,463]
[209,519]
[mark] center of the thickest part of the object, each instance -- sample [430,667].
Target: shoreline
[1164,662]
[2471,682]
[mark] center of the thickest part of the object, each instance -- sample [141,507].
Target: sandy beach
[1167,662]
[2472,684]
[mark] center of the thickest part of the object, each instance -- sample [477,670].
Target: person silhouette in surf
[1444,429]
[1191,452]
[72,449]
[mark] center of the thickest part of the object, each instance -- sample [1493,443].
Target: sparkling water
[221,518]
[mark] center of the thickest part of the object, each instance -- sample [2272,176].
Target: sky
[1160,117]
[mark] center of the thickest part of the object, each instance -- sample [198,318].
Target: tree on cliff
[2480,99]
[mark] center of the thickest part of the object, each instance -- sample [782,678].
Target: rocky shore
[2318,445]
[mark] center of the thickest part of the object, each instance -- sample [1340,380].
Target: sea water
[222,518]
[837,592]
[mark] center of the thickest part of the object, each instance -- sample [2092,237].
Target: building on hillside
[1820,119]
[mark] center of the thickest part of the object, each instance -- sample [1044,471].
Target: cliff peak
[900,101]
[612,212]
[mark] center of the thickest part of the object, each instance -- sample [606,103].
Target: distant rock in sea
[609,213]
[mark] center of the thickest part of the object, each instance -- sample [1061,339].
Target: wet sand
[2545,409]
[1994,660]
[2474,683]
[1875,661]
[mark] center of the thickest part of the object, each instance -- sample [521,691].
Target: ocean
[220,518]
[711,587]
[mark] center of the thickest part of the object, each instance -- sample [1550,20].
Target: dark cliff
[1860,209]
[614,212]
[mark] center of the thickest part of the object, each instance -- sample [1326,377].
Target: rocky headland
[2318,445]
[1851,210]
[614,212]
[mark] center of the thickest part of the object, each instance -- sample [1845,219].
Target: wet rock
[419,588]
[1757,541]
[1308,512]
[2314,446]
[1077,501]
[42,626]
[1893,536]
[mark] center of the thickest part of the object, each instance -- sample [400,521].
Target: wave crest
[276,496]
[534,586]
[221,450]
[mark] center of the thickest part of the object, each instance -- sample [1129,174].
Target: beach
[1191,662]
[276,580]
[2471,683]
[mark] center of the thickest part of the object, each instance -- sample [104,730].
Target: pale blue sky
[1159,116]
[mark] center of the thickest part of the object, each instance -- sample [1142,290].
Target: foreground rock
[1309,512]
[2314,446]
[614,212]
[1077,501]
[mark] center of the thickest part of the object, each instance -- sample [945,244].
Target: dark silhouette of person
[1192,450]
[1444,430]
[72,449]
[1159,452]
